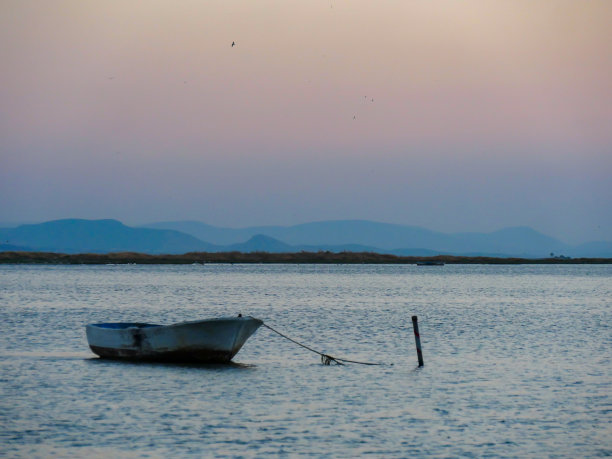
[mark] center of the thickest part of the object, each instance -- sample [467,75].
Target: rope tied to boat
[326,359]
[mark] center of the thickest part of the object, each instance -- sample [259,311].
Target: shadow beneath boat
[163,364]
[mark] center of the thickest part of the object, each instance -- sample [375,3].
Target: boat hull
[203,341]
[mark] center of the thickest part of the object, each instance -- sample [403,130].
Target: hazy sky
[453,115]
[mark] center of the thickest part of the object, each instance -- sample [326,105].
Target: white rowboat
[201,341]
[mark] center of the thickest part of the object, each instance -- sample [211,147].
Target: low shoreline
[271,258]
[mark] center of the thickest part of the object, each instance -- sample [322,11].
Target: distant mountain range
[97,236]
[103,236]
[364,235]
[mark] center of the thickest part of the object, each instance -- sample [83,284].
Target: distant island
[78,236]
[321,257]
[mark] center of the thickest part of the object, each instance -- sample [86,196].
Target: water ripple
[517,360]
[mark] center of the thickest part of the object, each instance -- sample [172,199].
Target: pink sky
[486,113]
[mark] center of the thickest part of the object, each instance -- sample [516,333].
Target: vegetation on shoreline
[266,257]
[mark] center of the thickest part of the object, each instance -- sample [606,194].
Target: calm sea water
[518,362]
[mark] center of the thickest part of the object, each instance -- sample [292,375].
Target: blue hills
[104,236]
[365,235]
[98,236]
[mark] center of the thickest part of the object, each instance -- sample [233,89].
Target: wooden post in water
[417,338]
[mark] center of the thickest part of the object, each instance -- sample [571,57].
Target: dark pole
[417,338]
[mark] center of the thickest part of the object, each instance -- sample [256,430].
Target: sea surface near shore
[518,362]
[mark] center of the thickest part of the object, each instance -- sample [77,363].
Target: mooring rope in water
[326,359]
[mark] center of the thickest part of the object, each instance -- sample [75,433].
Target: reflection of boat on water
[201,341]
[430,263]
